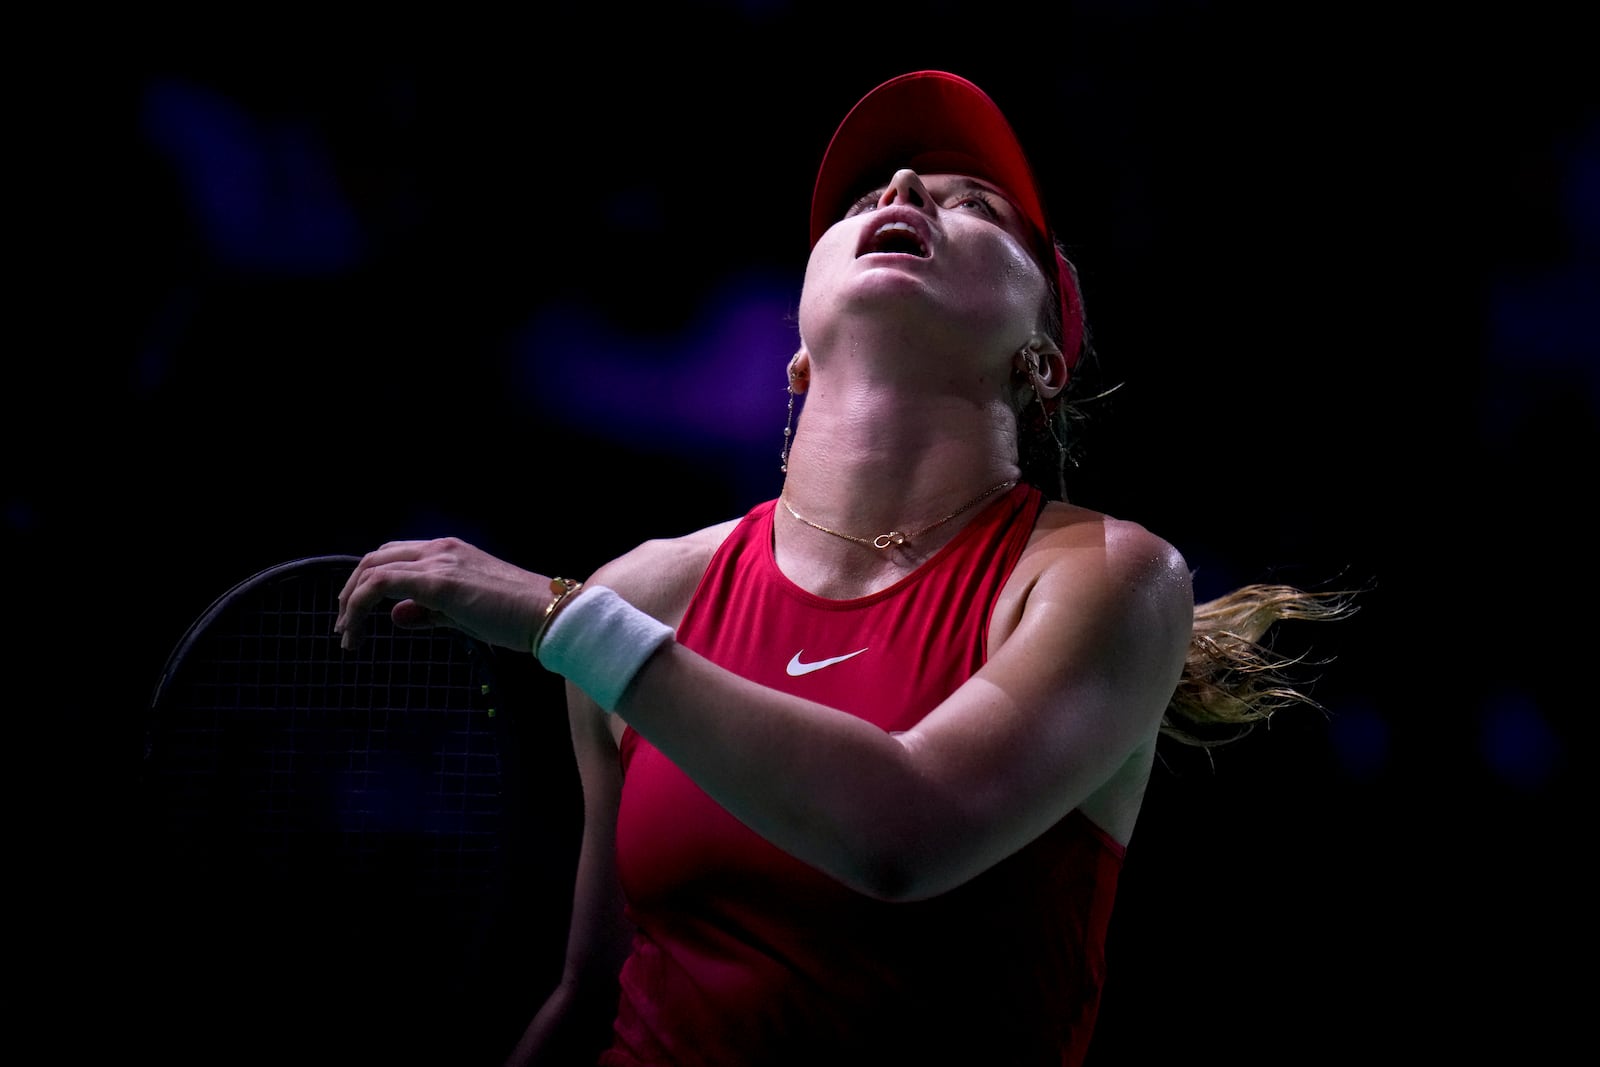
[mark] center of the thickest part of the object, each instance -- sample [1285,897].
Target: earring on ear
[1026,362]
[795,376]
[1029,358]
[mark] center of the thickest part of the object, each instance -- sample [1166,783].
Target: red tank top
[747,957]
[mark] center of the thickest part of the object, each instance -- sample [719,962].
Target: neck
[885,463]
[897,538]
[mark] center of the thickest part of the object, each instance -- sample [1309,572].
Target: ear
[800,371]
[1048,367]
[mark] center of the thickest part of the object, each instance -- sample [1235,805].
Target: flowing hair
[1233,678]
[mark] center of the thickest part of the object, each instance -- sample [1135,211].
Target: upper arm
[598,936]
[573,1022]
[1075,688]
[658,577]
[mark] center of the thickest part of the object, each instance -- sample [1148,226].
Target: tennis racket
[325,835]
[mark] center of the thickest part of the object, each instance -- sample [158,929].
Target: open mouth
[896,238]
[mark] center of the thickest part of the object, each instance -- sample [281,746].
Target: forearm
[899,815]
[825,786]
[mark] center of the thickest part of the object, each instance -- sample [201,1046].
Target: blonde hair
[1232,678]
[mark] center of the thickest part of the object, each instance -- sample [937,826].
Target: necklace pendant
[893,537]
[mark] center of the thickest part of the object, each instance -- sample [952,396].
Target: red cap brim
[936,122]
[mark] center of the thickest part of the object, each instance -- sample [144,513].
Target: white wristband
[599,641]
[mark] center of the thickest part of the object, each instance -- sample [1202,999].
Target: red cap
[936,122]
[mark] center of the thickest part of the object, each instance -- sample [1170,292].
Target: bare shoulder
[660,575]
[1103,567]
[1119,551]
[1101,609]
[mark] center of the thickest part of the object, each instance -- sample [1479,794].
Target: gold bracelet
[561,588]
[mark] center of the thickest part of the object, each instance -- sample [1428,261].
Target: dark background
[530,281]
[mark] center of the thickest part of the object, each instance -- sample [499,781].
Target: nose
[905,188]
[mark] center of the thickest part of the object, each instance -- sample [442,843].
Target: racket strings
[272,740]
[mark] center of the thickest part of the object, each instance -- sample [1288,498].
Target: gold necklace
[896,537]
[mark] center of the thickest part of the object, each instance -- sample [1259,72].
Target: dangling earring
[1030,366]
[788,431]
[795,376]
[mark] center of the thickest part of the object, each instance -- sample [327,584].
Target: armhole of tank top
[629,739]
[1112,845]
[1035,500]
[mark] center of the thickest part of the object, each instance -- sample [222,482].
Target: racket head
[325,833]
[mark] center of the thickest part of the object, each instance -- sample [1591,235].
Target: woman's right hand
[445,582]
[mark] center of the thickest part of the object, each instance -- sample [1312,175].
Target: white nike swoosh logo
[796,668]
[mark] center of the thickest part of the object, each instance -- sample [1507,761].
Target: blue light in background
[1362,740]
[1516,741]
[263,193]
[1542,321]
[716,386]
